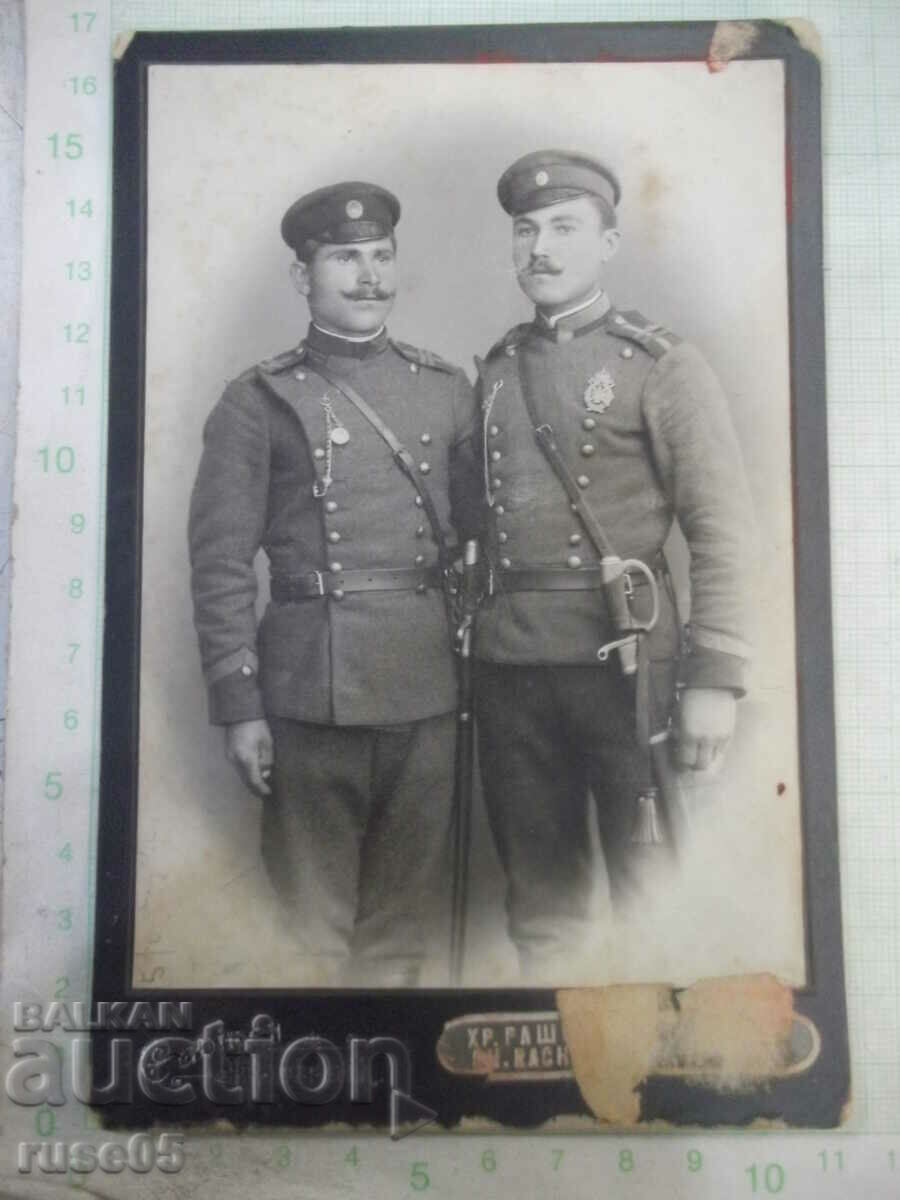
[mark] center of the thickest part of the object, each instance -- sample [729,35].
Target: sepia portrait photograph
[467,614]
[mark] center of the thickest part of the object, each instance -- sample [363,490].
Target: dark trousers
[355,835]
[549,737]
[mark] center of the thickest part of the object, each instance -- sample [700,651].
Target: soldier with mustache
[599,429]
[345,461]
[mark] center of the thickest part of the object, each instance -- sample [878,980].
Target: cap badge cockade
[542,179]
[600,391]
[353,209]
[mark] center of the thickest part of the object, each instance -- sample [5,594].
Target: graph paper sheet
[860,51]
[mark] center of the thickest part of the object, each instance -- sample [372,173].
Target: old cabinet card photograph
[468,721]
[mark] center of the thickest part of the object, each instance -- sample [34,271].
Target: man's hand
[705,725]
[248,747]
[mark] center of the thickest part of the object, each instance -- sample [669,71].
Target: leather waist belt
[553,579]
[291,588]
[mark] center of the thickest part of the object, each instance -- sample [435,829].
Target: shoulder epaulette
[655,339]
[283,362]
[423,358]
[510,340]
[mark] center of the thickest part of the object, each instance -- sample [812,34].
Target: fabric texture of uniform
[359,687]
[657,444]
[369,657]
[643,425]
[356,838]
[549,736]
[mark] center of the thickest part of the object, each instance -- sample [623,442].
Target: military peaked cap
[343,212]
[551,176]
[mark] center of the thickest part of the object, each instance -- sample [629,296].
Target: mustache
[374,293]
[541,266]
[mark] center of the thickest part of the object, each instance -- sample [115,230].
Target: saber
[464,762]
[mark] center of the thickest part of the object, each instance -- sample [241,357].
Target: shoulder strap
[423,358]
[547,444]
[657,340]
[402,458]
[283,362]
[510,340]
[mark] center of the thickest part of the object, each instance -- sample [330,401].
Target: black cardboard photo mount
[417,1018]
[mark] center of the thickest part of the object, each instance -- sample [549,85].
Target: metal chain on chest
[321,486]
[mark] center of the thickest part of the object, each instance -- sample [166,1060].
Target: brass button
[425,439]
[246,669]
[414,367]
[419,559]
[335,568]
[337,594]
[619,320]
[589,423]
[574,539]
[424,467]
[573,561]
[334,536]
[299,374]
[318,452]
[496,455]
[331,506]
[420,532]
[499,510]
[627,352]
[505,563]
[564,336]
[421,589]
[502,536]
[510,350]
[494,430]
[582,481]
[418,501]
[496,483]
[588,449]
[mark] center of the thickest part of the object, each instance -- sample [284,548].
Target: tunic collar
[327,345]
[562,327]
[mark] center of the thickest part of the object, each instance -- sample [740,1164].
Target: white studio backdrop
[701,159]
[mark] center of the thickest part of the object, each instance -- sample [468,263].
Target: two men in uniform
[348,460]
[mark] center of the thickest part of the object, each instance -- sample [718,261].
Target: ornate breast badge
[600,391]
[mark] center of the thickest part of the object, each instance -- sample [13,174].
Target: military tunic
[642,423]
[359,686]
[366,658]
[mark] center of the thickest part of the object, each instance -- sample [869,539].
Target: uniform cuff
[235,697]
[707,668]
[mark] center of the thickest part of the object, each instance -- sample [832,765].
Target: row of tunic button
[333,536]
[573,560]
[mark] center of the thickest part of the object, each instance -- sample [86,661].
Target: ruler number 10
[771,1176]
[62,460]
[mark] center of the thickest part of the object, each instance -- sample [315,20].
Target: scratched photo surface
[700,157]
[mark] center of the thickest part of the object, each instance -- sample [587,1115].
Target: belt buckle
[320,582]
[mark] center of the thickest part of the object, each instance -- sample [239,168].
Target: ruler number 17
[82,22]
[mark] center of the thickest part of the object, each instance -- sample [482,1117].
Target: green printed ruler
[51,775]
